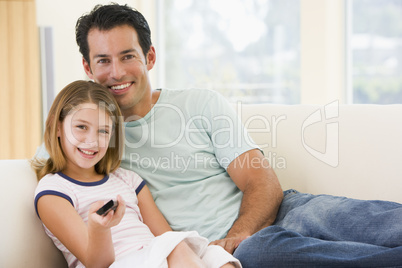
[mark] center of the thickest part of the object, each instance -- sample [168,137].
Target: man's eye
[128,57]
[103,61]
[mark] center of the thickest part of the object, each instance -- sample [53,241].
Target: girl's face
[84,136]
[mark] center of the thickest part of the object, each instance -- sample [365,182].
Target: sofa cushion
[347,150]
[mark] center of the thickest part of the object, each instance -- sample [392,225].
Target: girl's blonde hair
[71,96]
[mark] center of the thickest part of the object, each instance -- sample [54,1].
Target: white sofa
[350,150]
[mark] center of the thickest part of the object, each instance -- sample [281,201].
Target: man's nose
[118,70]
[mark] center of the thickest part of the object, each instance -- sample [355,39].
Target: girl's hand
[113,218]
[100,235]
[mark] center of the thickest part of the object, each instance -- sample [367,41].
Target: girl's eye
[104,131]
[82,127]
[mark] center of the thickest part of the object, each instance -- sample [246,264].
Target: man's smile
[118,89]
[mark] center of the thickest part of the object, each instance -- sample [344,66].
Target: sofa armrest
[23,240]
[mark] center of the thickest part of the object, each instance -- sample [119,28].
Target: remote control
[104,210]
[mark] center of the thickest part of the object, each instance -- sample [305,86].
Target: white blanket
[154,256]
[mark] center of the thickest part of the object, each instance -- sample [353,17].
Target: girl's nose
[91,140]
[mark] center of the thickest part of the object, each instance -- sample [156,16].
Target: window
[376,51]
[246,49]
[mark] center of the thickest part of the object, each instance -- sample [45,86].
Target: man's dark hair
[106,17]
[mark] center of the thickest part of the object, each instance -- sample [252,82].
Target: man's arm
[262,196]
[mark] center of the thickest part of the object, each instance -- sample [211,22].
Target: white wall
[62,17]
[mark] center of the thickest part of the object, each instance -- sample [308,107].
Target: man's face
[117,62]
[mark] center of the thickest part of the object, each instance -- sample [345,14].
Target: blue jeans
[327,231]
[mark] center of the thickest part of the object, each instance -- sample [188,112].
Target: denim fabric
[327,231]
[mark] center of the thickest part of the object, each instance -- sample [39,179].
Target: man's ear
[151,58]
[87,68]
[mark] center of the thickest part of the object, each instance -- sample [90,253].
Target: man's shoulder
[193,99]
[191,93]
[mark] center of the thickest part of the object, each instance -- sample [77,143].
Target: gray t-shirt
[182,148]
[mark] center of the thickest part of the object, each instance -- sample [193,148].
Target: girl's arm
[151,214]
[182,255]
[92,243]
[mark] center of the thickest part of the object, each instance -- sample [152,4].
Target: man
[206,175]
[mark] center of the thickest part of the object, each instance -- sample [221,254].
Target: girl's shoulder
[51,178]
[123,172]
[128,176]
[54,184]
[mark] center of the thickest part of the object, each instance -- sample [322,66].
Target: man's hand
[262,196]
[229,244]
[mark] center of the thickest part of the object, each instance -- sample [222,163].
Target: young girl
[84,139]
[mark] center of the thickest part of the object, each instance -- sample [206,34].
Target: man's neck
[140,110]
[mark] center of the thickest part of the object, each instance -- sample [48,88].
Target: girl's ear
[58,129]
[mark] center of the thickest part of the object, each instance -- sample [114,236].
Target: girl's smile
[87,153]
[84,136]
